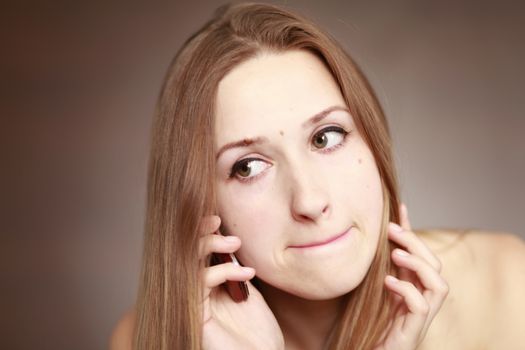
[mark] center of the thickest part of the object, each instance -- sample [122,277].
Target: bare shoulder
[508,292]
[485,271]
[474,247]
[499,254]
[122,335]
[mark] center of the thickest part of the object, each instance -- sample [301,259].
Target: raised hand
[418,293]
[226,324]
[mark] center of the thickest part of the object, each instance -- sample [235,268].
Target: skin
[491,264]
[305,191]
[300,315]
[307,186]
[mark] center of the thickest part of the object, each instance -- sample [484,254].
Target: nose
[309,200]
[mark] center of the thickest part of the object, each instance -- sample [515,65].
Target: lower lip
[333,240]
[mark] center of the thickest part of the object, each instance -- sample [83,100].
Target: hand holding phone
[229,315]
[238,290]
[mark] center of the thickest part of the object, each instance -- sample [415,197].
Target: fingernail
[391,279]
[395,227]
[401,252]
[231,239]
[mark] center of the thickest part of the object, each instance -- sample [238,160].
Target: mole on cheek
[360,160]
[281,132]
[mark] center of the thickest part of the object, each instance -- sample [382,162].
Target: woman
[268,133]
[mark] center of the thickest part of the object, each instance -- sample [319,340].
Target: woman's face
[301,182]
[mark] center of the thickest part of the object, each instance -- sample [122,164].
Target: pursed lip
[319,243]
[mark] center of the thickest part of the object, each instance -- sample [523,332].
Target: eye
[321,139]
[247,167]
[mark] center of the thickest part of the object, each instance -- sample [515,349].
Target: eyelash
[240,163]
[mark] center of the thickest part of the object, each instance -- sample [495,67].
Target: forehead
[273,88]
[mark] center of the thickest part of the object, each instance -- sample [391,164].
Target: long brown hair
[181,176]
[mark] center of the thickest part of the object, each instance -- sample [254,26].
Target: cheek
[371,197]
[260,217]
[256,224]
[361,192]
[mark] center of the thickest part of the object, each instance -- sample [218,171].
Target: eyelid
[235,167]
[326,129]
[331,128]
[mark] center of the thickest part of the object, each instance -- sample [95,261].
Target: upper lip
[316,243]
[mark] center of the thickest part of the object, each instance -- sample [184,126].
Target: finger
[212,243]
[214,276]
[416,304]
[209,224]
[403,215]
[415,245]
[434,287]
[410,276]
[430,279]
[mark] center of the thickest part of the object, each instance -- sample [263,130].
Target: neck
[306,324]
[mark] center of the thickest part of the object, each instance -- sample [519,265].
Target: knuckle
[212,243]
[443,288]
[420,303]
[208,223]
[216,274]
[423,307]
[205,245]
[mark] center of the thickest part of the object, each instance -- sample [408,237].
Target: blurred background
[78,85]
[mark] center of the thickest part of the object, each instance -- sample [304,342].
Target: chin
[321,289]
[325,293]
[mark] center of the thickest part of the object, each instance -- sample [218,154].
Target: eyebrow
[261,139]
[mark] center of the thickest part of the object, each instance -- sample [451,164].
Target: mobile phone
[238,290]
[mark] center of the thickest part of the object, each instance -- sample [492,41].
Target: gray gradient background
[79,83]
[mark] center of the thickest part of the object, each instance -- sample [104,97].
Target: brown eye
[321,139]
[244,169]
